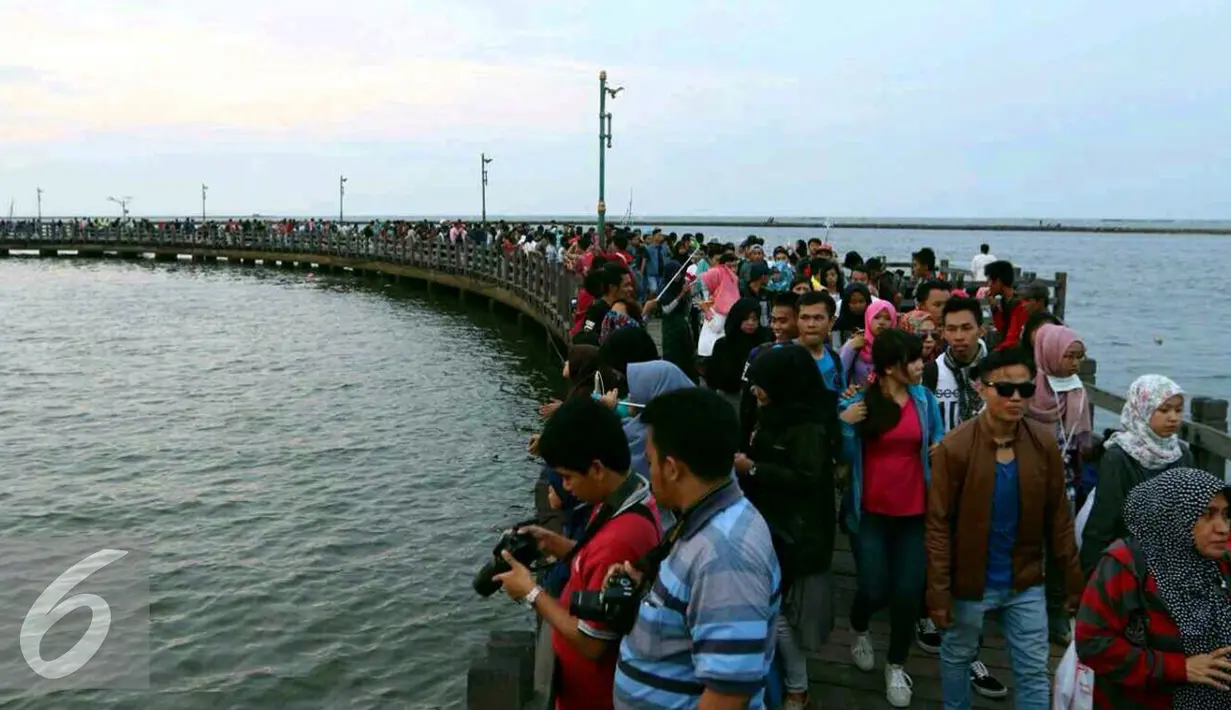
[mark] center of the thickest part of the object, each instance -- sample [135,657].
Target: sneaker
[792,704]
[862,653]
[927,636]
[898,687]
[984,683]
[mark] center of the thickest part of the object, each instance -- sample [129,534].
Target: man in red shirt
[1008,314]
[585,443]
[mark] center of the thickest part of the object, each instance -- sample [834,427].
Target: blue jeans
[1023,617]
[891,567]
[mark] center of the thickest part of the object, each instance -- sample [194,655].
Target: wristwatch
[532,596]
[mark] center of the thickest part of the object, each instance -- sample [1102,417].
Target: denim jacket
[930,423]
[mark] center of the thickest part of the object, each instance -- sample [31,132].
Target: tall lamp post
[341,197]
[39,192]
[604,142]
[483,161]
[204,189]
[123,203]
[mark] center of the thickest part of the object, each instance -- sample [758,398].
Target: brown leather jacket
[960,507]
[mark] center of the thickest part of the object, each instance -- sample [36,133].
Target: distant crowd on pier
[793,402]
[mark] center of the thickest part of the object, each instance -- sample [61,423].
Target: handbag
[1074,683]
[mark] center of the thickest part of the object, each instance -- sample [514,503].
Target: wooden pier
[502,677]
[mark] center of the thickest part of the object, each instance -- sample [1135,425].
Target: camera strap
[613,505]
[649,562]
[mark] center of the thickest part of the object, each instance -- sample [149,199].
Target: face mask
[1064,384]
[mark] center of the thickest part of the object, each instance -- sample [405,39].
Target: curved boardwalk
[543,293]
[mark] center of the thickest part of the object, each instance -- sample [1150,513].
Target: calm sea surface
[321,467]
[321,464]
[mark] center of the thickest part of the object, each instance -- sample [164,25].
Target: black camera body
[615,604]
[520,545]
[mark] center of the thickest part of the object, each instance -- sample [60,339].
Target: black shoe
[984,683]
[927,636]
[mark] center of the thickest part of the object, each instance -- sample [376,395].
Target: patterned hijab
[1160,514]
[1145,396]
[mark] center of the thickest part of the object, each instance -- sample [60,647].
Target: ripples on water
[321,466]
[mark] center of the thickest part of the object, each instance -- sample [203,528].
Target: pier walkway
[534,291]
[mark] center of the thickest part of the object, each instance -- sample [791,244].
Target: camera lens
[483,584]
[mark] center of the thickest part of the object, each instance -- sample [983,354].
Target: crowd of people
[797,399]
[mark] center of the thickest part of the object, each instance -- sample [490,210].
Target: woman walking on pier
[856,354]
[887,432]
[787,473]
[1147,444]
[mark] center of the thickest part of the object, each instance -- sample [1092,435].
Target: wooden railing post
[1212,413]
[1088,370]
[1061,294]
[503,678]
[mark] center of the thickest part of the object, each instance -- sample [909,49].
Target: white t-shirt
[977,265]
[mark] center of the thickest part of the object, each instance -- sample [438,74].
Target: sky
[888,108]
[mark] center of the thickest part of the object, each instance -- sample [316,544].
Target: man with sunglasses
[996,501]
[951,377]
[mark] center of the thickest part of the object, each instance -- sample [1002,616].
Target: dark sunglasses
[1006,389]
[930,335]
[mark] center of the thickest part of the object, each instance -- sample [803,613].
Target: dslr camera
[521,546]
[614,605]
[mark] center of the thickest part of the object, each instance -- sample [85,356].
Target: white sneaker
[898,686]
[862,653]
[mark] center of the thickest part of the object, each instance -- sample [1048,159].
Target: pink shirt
[893,482]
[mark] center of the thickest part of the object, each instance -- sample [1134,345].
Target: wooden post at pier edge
[503,677]
[1212,413]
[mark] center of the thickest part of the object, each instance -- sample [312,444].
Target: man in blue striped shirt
[704,636]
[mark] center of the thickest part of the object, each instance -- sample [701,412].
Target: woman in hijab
[921,323]
[675,303]
[1060,399]
[1155,620]
[622,348]
[788,474]
[722,285]
[1147,445]
[856,354]
[742,332]
[855,300]
[647,380]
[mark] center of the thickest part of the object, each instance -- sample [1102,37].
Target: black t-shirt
[592,322]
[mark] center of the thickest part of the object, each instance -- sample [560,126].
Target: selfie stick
[682,269]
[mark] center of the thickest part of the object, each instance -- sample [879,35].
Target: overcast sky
[964,108]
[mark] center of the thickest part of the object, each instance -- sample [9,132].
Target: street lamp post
[123,203]
[341,197]
[204,189]
[39,192]
[604,142]
[483,161]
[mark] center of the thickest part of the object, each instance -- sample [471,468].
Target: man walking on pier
[997,499]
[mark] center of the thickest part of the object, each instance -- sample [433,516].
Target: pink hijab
[876,306]
[723,286]
[1073,408]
